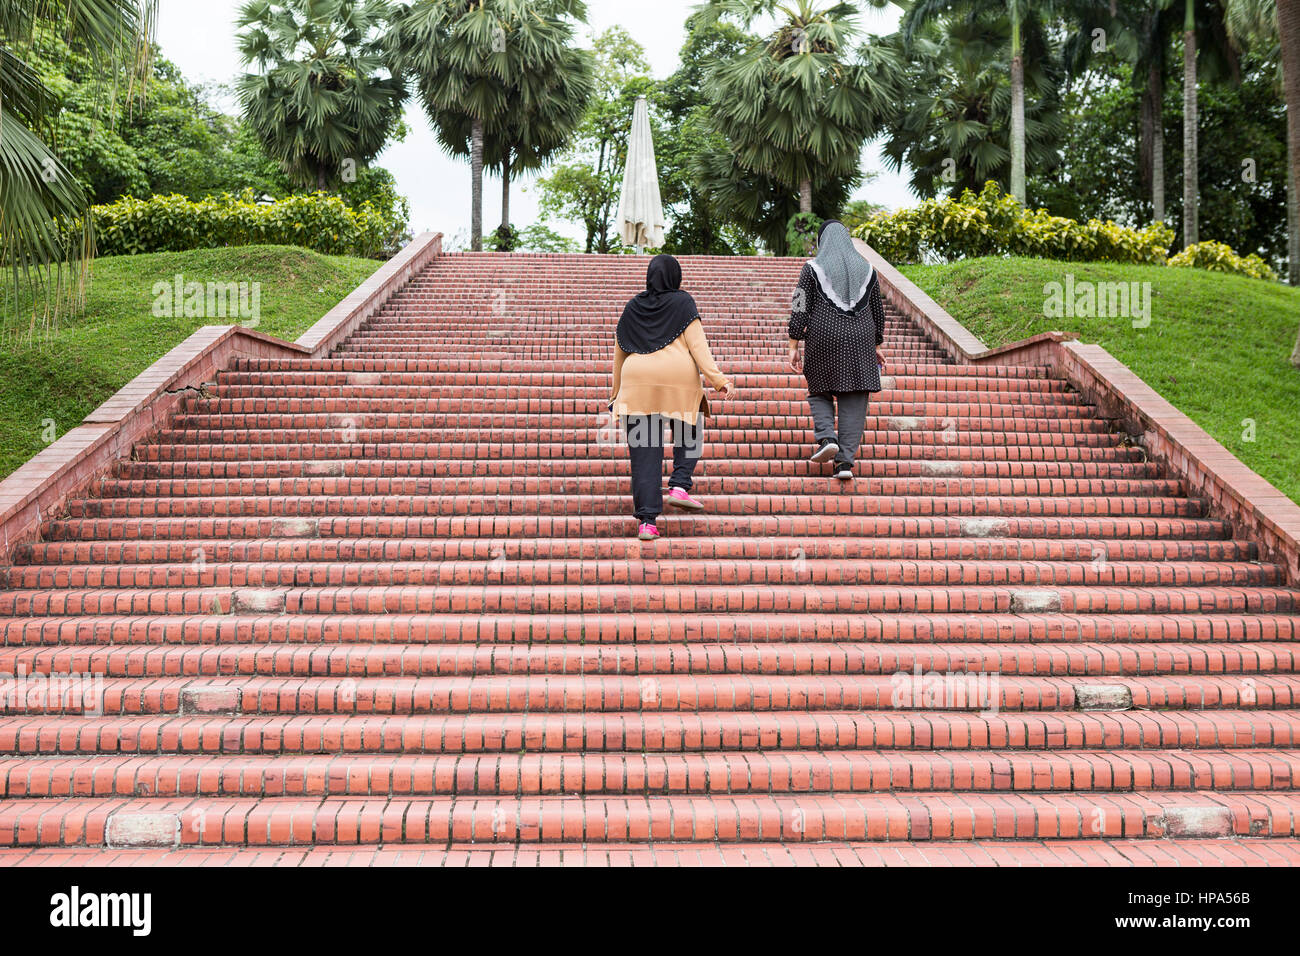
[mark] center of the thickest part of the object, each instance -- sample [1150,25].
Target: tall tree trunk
[1017,107]
[476,187]
[1288,22]
[1153,103]
[1293,223]
[505,191]
[1191,183]
[805,196]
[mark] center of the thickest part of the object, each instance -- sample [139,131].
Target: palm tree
[1288,23]
[798,106]
[1256,24]
[1203,24]
[324,101]
[1191,140]
[478,63]
[38,193]
[545,103]
[953,127]
[1022,15]
[542,124]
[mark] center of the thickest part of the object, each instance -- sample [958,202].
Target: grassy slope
[1217,346]
[69,374]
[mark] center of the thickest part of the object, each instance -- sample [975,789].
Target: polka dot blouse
[840,349]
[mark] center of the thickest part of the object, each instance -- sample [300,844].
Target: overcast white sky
[199,36]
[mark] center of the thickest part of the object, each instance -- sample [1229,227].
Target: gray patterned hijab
[841,271]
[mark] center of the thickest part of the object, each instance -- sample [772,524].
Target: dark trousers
[645,443]
[852,420]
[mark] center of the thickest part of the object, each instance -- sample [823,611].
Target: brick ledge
[41,486]
[1256,509]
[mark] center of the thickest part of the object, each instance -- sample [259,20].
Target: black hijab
[659,315]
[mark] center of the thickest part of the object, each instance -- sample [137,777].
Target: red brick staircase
[389,606]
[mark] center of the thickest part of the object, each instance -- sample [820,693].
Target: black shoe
[825,451]
[844,471]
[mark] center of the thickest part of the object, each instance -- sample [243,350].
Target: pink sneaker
[647,532]
[679,498]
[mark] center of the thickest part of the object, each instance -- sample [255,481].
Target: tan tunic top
[666,382]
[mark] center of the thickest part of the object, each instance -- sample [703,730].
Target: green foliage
[321,222]
[538,238]
[38,192]
[859,211]
[1219,257]
[1102,176]
[801,234]
[991,224]
[503,239]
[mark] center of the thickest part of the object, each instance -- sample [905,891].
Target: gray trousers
[853,419]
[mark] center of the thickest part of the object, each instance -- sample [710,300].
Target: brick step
[591,344]
[199,409]
[303,548]
[896,358]
[601,693]
[791,571]
[910,447]
[1251,851]
[674,527]
[651,599]
[652,732]
[617,629]
[461,369]
[614,467]
[577,503]
[920,815]
[725,426]
[424,660]
[595,397]
[558,340]
[806,485]
[639,775]
[589,439]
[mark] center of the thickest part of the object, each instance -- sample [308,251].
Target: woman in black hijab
[660,351]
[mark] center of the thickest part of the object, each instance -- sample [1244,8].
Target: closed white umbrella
[641,209]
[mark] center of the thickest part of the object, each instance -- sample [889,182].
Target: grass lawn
[64,376]
[1218,346]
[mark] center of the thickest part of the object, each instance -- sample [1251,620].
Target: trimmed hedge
[1219,257]
[319,221]
[991,224]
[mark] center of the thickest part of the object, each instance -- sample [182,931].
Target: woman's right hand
[796,357]
[727,389]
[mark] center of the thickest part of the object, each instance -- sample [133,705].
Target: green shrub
[1219,257]
[318,221]
[801,234]
[503,239]
[991,224]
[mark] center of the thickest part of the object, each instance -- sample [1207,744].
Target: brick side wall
[88,452]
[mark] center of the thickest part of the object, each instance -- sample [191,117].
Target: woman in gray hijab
[839,316]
